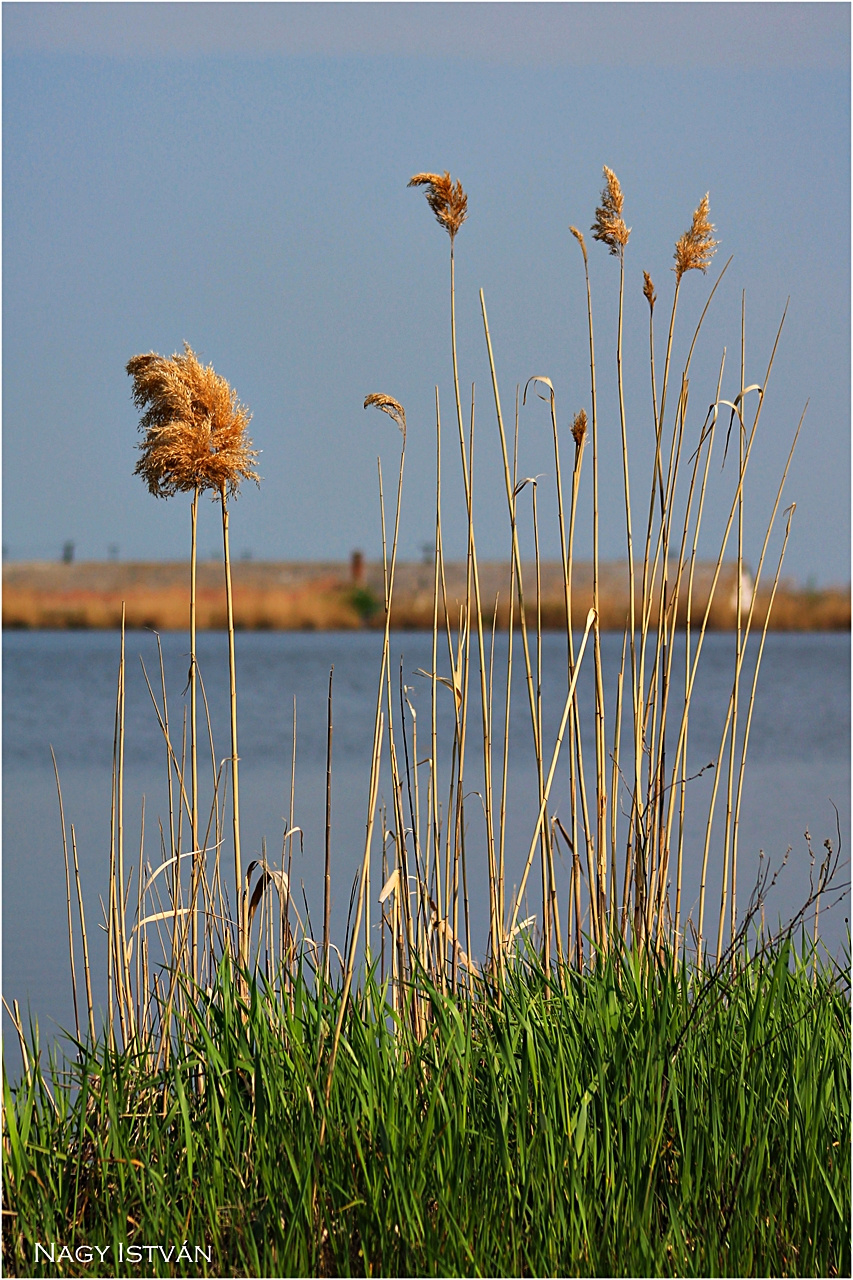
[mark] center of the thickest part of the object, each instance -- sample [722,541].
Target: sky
[235,176]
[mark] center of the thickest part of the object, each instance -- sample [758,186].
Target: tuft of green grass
[622,1121]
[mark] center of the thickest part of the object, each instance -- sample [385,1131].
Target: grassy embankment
[614,1081]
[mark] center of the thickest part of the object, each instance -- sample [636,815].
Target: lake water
[59,690]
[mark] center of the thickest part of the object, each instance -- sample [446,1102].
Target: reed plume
[194,426]
[447,200]
[649,291]
[579,427]
[695,249]
[609,226]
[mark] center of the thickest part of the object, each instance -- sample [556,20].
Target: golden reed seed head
[194,426]
[694,250]
[649,290]
[609,226]
[390,406]
[448,202]
[579,427]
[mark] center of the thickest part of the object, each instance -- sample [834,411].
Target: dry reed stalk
[694,667]
[434,818]
[610,228]
[731,825]
[580,426]
[140,1009]
[289,834]
[507,706]
[664,653]
[576,765]
[707,435]
[667,491]
[421,858]
[87,970]
[659,416]
[546,867]
[614,788]
[193,682]
[485,705]
[661,556]
[397,413]
[15,1015]
[165,728]
[240,890]
[122,970]
[512,489]
[608,209]
[177,913]
[112,945]
[449,203]
[327,882]
[402,901]
[547,789]
[72,967]
[732,708]
[751,706]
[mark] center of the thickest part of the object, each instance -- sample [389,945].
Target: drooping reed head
[447,200]
[609,226]
[390,406]
[649,290]
[579,427]
[193,424]
[578,235]
[694,250]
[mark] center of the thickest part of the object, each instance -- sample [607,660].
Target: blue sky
[235,175]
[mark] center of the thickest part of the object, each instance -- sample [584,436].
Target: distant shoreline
[339,596]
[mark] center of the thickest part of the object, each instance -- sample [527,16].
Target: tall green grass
[622,1122]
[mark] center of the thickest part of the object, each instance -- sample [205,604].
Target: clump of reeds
[624,824]
[607,1095]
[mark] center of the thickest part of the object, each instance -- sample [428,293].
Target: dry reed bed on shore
[326,597]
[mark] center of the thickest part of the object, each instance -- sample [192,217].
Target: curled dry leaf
[538,377]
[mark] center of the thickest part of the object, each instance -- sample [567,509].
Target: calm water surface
[59,689]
